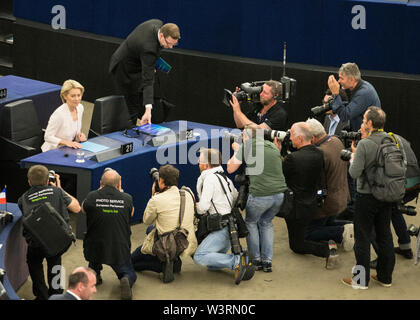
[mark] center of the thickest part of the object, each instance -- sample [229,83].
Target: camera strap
[223,187]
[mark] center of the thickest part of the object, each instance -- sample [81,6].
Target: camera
[243,181]
[408,210]
[154,174]
[249,91]
[321,195]
[413,230]
[51,176]
[319,110]
[347,138]
[233,137]
[280,135]
[345,155]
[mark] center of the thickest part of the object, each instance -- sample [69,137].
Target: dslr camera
[154,174]
[51,176]
[320,110]
[347,137]
[413,230]
[408,210]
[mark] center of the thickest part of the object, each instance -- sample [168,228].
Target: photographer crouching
[217,196]
[268,113]
[163,211]
[267,184]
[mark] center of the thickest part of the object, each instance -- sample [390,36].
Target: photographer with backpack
[379,167]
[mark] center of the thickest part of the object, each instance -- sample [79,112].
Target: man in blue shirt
[362,95]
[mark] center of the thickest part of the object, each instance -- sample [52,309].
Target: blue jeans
[212,251]
[124,270]
[260,212]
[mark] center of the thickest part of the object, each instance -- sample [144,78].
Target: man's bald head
[111,178]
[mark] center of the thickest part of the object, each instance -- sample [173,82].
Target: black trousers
[373,215]
[296,228]
[34,258]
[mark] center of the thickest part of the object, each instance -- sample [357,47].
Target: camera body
[413,230]
[347,137]
[243,181]
[154,174]
[51,176]
[320,110]
[408,210]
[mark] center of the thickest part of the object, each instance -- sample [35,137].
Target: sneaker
[386,285]
[408,253]
[332,259]
[249,272]
[348,237]
[373,264]
[168,272]
[349,282]
[126,293]
[177,265]
[267,266]
[258,265]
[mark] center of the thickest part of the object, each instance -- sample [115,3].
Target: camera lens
[345,155]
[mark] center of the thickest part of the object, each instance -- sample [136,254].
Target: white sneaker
[348,237]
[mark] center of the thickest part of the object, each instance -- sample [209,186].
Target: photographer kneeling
[217,195]
[163,210]
[267,184]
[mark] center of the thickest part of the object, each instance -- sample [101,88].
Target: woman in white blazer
[65,124]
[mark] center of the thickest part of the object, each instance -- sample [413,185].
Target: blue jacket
[362,97]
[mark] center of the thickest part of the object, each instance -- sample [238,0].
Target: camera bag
[48,228]
[170,245]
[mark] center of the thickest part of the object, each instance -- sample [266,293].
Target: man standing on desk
[133,65]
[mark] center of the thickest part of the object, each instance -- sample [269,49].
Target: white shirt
[74,295]
[209,188]
[62,127]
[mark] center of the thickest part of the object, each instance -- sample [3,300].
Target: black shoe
[168,272]
[126,293]
[373,264]
[267,267]
[241,268]
[408,254]
[177,265]
[98,280]
[249,272]
[258,265]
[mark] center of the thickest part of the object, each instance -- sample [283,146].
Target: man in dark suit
[82,284]
[133,65]
[302,170]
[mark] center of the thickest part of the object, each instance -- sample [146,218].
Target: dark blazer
[302,170]
[342,125]
[133,63]
[64,296]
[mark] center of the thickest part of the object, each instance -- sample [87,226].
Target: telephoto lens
[345,155]
[154,174]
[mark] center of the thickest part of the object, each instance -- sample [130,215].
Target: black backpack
[387,175]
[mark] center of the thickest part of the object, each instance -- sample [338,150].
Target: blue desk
[13,253]
[46,96]
[134,167]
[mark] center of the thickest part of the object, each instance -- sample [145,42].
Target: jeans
[124,270]
[325,229]
[370,215]
[260,212]
[212,251]
[34,258]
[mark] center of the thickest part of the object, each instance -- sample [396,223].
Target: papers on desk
[153,129]
[93,147]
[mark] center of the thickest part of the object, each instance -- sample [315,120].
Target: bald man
[82,285]
[107,240]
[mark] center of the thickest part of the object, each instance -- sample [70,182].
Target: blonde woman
[64,125]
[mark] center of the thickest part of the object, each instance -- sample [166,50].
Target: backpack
[386,175]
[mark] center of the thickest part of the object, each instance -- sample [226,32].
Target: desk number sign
[3,93]
[127,148]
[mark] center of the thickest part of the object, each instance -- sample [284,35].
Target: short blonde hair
[67,86]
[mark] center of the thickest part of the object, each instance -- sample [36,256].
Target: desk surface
[5,236]
[134,167]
